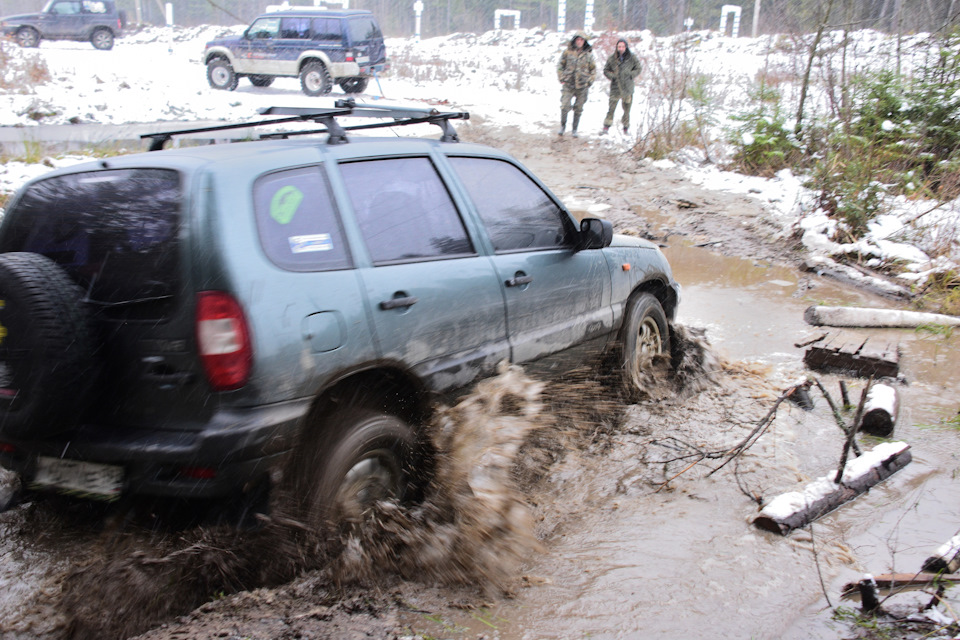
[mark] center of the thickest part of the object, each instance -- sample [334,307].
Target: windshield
[115,232]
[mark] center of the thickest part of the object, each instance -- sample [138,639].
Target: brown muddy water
[632,541]
[634,559]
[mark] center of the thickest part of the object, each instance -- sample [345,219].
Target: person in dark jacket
[621,70]
[576,72]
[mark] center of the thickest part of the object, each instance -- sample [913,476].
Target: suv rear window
[115,232]
[363,29]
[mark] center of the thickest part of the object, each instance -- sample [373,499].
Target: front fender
[218,52]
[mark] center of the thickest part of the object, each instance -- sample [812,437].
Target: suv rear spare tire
[47,366]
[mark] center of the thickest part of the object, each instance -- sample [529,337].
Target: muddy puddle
[628,534]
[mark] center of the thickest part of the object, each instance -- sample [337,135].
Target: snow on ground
[506,77]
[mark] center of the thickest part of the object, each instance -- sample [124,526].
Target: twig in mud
[852,433]
[839,417]
[685,469]
[738,449]
[816,562]
[750,494]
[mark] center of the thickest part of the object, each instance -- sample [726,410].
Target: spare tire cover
[47,366]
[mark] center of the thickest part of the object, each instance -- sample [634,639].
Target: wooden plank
[841,353]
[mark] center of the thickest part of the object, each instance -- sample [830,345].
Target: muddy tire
[47,348]
[261,81]
[354,85]
[220,75]
[28,37]
[315,79]
[644,338]
[102,39]
[362,456]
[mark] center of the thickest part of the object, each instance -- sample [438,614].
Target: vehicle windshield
[115,232]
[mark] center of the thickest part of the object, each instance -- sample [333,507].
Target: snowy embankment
[506,79]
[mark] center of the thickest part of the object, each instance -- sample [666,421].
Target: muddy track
[457,553]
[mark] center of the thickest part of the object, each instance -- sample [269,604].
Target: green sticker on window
[284,204]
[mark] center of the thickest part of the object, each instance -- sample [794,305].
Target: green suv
[179,322]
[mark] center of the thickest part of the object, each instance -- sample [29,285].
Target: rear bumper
[237,448]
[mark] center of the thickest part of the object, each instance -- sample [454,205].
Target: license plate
[362,59]
[88,479]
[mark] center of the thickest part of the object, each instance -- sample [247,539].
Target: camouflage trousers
[578,98]
[627,103]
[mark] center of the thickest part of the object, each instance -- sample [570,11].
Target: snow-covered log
[884,318]
[823,266]
[796,509]
[880,411]
[946,558]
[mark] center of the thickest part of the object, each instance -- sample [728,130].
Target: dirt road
[607,523]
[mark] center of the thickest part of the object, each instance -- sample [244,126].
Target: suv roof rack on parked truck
[327,117]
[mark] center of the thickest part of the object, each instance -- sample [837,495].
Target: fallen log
[874,318]
[946,558]
[880,411]
[824,266]
[796,509]
[842,353]
[888,581]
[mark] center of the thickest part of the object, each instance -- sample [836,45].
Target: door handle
[517,281]
[396,303]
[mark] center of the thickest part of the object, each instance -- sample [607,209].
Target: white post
[688,22]
[735,10]
[417,9]
[588,17]
[562,16]
[169,12]
[756,17]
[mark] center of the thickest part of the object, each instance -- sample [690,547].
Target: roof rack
[398,116]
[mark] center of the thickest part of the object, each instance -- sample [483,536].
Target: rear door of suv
[436,302]
[366,39]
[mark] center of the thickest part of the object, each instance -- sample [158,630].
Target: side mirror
[595,233]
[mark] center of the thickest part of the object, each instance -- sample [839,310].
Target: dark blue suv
[319,47]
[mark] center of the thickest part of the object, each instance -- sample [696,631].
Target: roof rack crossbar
[159,139]
[439,119]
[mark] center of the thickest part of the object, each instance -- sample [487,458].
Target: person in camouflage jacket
[621,69]
[576,72]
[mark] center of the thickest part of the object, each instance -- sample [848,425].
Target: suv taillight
[223,340]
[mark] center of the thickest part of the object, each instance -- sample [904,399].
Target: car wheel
[220,75]
[354,85]
[102,39]
[350,462]
[47,349]
[646,335]
[261,81]
[315,79]
[28,37]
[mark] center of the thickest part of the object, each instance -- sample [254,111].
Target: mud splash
[474,527]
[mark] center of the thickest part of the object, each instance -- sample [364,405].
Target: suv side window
[363,29]
[264,29]
[298,224]
[94,6]
[65,8]
[404,210]
[326,30]
[295,28]
[517,213]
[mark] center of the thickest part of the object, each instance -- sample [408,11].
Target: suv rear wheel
[360,457]
[102,39]
[28,37]
[354,85]
[220,75]
[261,81]
[47,364]
[315,79]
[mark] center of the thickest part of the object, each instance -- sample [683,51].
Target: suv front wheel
[28,37]
[645,341]
[102,39]
[315,79]
[220,75]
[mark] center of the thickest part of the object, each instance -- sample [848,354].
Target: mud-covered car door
[436,303]
[257,52]
[557,297]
